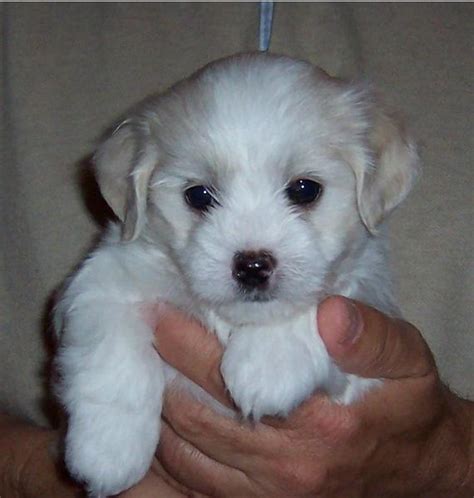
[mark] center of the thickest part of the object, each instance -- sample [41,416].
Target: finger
[238,444]
[191,349]
[152,486]
[317,415]
[368,343]
[158,469]
[187,465]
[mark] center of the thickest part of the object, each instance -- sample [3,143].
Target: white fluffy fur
[245,126]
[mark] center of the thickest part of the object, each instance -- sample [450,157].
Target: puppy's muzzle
[253,269]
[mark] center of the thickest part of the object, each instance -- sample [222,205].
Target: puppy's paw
[110,448]
[265,378]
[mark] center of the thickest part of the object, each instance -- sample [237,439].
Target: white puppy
[245,194]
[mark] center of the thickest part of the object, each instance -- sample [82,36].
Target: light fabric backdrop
[68,70]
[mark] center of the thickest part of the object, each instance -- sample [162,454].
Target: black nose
[252,269]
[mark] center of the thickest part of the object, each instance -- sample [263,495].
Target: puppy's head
[261,174]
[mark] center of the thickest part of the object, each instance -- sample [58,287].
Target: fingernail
[354,324]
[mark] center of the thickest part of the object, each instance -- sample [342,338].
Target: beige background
[68,70]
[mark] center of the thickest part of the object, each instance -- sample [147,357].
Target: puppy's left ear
[384,184]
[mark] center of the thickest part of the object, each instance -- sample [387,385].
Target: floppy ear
[384,184]
[124,163]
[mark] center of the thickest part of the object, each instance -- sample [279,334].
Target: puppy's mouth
[256,295]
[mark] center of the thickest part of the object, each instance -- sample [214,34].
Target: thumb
[364,341]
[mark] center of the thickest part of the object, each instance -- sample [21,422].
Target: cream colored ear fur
[384,185]
[123,169]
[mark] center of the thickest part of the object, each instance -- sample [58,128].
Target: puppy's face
[258,224]
[255,173]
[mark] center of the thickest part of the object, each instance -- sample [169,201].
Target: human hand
[411,437]
[29,465]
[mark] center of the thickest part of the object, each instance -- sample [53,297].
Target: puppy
[244,195]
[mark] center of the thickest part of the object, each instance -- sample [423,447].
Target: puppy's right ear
[124,163]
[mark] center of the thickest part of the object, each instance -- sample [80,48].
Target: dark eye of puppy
[199,197]
[303,191]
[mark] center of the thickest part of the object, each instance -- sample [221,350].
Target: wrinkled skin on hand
[411,437]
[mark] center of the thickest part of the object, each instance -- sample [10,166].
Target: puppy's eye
[303,191]
[199,197]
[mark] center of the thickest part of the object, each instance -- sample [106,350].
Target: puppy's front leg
[271,369]
[111,384]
